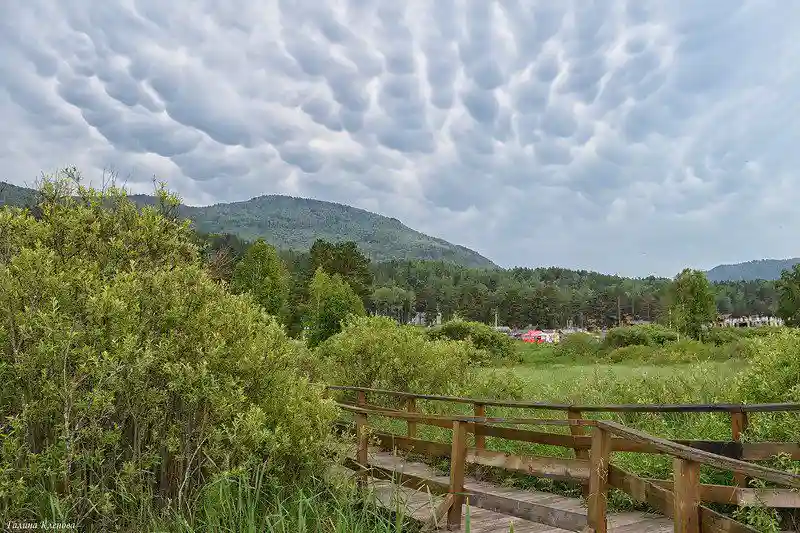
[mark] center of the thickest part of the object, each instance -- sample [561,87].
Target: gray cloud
[633,136]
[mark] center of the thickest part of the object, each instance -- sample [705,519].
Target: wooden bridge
[437,500]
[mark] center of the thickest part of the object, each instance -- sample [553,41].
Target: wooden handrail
[687,453]
[619,408]
[421,417]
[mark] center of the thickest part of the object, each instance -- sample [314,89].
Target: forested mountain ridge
[295,223]
[767,269]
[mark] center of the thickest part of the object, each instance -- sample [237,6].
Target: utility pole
[495,318]
[619,311]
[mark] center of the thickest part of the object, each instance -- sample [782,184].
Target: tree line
[548,298]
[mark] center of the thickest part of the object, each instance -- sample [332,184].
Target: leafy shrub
[500,345]
[773,374]
[644,335]
[685,351]
[633,353]
[577,346]
[331,301]
[130,378]
[377,352]
[496,384]
[725,335]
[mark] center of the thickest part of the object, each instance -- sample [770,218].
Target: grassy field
[548,378]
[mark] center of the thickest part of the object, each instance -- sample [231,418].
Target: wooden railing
[680,499]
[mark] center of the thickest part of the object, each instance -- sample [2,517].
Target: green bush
[577,346]
[633,353]
[773,374]
[645,335]
[377,352]
[497,384]
[725,335]
[498,344]
[686,351]
[131,378]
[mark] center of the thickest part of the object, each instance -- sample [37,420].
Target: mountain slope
[294,224]
[769,269]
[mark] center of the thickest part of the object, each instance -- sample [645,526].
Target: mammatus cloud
[624,136]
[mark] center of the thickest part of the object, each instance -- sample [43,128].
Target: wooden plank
[714,522]
[687,496]
[546,467]
[387,441]
[759,451]
[738,426]
[725,494]
[411,407]
[598,480]
[542,514]
[438,514]
[480,439]
[703,457]
[362,442]
[428,419]
[402,479]
[457,468]
[642,490]
[618,444]
[618,408]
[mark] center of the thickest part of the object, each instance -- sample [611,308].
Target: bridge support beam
[599,459]
[687,496]
[458,456]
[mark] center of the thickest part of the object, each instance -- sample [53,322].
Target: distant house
[753,321]
[540,336]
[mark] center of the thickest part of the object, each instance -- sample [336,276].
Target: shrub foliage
[498,345]
[130,378]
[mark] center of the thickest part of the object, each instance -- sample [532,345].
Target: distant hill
[769,269]
[294,223]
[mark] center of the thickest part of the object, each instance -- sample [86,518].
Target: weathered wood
[387,441]
[457,470]
[535,512]
[618,444]
[439,514]
[686,475]
[599,460]
[580,453]
[693,454]
[480,439]
[725,494]
[738,426]
[759,451]
[363,442]
[618,408]
[432,419]
[546,467]
[713,522]
[642,490]
[411,407]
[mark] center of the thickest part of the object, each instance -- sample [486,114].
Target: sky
[635,137]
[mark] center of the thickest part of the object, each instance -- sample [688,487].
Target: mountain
[294,223]
[768,269]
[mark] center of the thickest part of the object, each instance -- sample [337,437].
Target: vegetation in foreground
[142,393]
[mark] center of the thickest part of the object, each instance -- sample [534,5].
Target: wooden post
[362,398]
[578,431]
[599,459]
[458,455]
[480,440]
[411,427]
[687,496]
[363,447]
[739,424]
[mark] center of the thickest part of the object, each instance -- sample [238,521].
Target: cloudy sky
[622,136]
